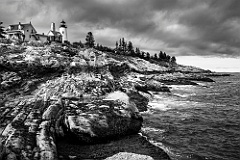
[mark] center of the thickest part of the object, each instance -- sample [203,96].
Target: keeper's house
[24,32]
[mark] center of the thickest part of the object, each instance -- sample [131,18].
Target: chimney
[53,26]
[19,26]
[42,33]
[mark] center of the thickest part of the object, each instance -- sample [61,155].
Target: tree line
[123,47]
[126,48]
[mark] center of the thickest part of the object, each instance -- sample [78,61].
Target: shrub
[5,41]
[36,43]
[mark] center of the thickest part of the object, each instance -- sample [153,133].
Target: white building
[22,32]
[60,35]
[63,31]
[54,35]
[26,32]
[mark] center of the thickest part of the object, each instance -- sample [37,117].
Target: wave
[158,106]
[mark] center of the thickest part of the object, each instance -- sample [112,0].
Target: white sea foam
[158,106]
[182,95]
[151,129]
[182,87]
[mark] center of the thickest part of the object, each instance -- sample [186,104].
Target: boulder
[132,147]
[45,142]
[140,101]
[152,85]
[51,112]
[9,79]
[129,156]
[102,120]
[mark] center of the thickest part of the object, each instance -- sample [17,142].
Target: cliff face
[54,93]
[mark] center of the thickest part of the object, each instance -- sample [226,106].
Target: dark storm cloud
[181,27]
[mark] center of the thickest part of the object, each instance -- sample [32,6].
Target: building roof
[54,33]
[14,31]
[41,35]
[15,26]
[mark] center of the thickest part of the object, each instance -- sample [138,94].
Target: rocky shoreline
[63,103]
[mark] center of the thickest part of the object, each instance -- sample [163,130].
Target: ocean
[197,122]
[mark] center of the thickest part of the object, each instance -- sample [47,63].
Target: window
[62,32]
[29,36]
[27,30]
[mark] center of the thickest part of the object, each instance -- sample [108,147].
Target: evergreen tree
[123,44]
[164,56]
[130,46]
[173,59]
[100,47]
[168,58]
[143,54]
[97,46]
[78,44]
[90,40]
[116,45]
[155,56]
[120,43]
[125,47]
[2,32]
[81,44]
[137,52]
[147,55]
[160,56]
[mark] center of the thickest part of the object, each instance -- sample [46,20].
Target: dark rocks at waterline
[101,120]
[200,78]
[178,82]
[133,146]
[152,85]
[214,74]
[140,101]
[181,78]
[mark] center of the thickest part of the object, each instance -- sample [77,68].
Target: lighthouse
[63,31]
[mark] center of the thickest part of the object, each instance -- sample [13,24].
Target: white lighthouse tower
[63,31]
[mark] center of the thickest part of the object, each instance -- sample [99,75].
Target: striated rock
[11,156]
[129,156]
[139,100]
[104,119]
[51,112]
[17,121]
[45,142]
[9,79]
[2,149]
[15,141]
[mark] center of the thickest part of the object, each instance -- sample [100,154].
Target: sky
[203,33]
